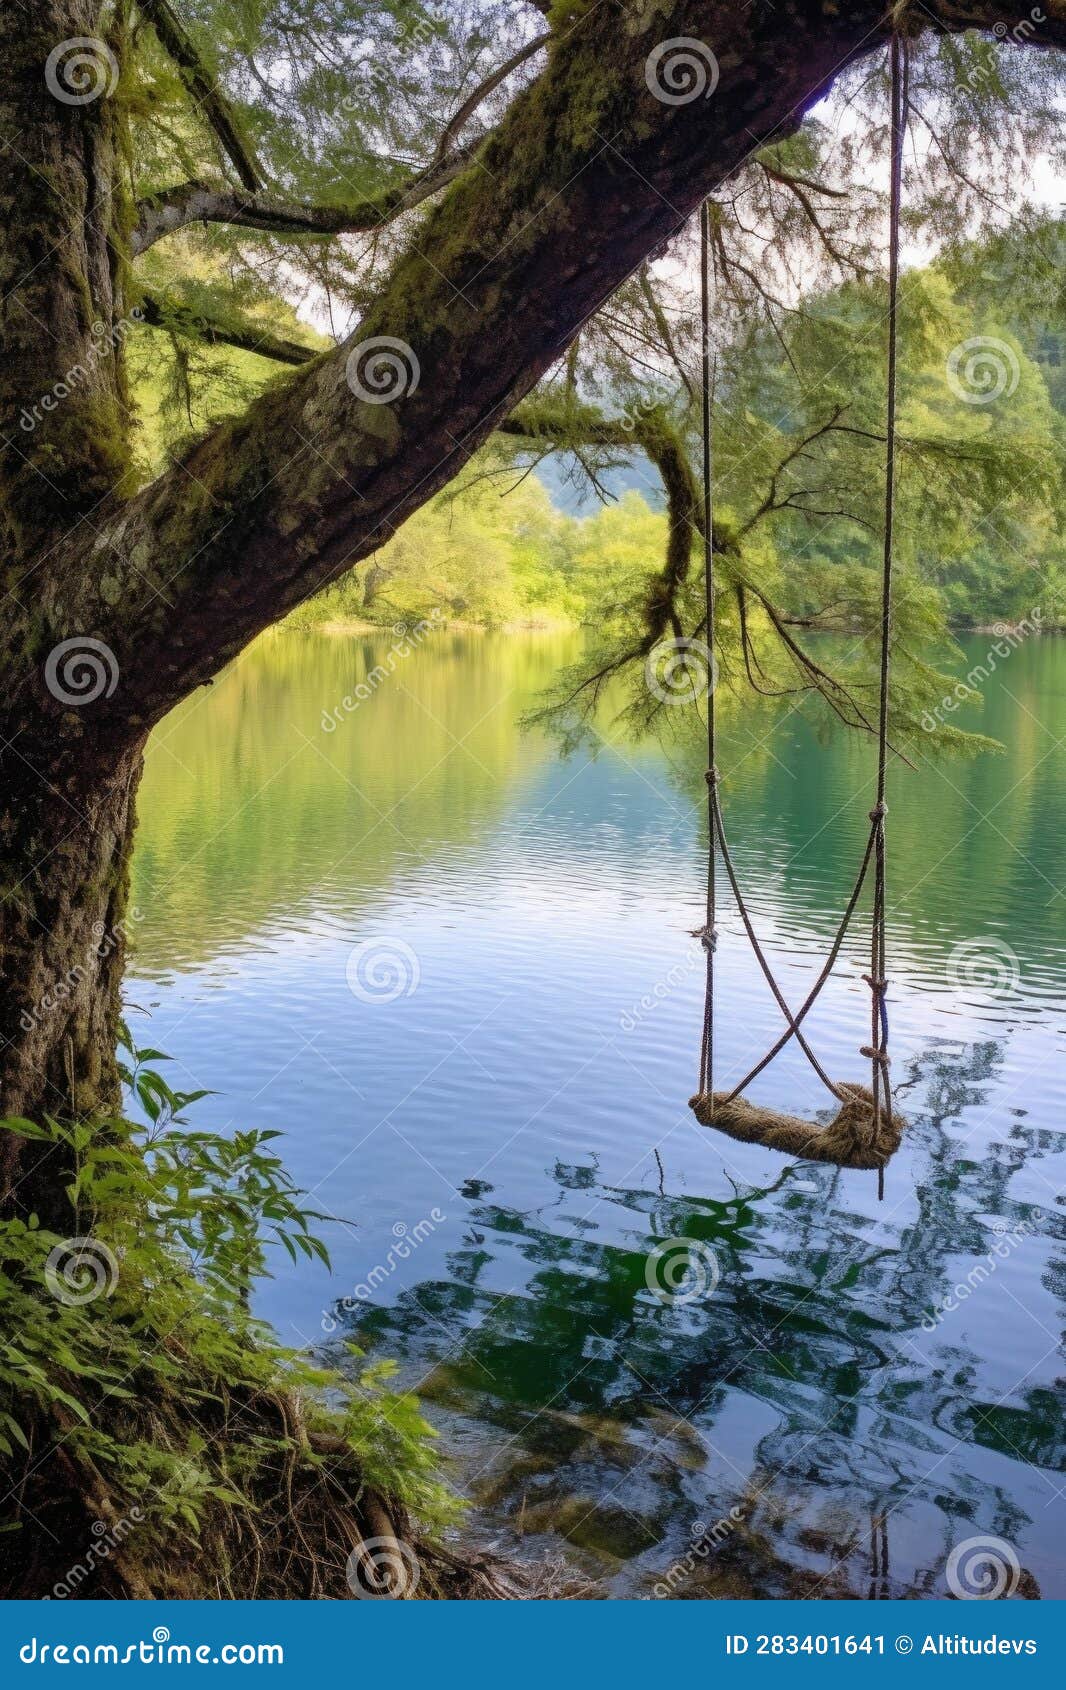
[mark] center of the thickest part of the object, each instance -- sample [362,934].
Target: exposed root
[300,1522]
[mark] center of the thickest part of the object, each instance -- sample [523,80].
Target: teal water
[497,1104]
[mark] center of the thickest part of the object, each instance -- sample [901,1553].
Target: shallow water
[498,1104]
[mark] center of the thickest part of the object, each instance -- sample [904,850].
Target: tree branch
[200,325]
[202,87]
[788,179]
[483,90]
[201,202]
[571,426]
[519,253]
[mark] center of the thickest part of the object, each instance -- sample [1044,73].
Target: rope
[793,1021]
[877,978]
[709,934]
[877,1049]
[827,969]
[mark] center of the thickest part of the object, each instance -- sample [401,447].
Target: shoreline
[337,625]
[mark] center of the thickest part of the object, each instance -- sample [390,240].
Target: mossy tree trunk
[66,782]
[586,175]
[66,839]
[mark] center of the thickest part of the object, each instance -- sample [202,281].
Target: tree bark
[65,788]
[64,412]
[65,839]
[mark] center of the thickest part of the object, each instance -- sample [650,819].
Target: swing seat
[850,1139]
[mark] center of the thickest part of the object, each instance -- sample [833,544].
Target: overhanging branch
[202,88]
[512,261]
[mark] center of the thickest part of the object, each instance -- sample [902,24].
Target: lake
[457,971]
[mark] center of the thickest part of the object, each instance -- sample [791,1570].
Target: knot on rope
[881,1057]
[711,775]
[707,936]
[876,985]
[879,811]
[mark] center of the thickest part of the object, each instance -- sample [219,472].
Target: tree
[123,598]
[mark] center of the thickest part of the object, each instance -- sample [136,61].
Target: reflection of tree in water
[803,1391]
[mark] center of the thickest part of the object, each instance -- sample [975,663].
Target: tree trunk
[65,434]
[65,789]
[376,577]
[65,839]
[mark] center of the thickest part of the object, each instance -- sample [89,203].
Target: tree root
[300,1521]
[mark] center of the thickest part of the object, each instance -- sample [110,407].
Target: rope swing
[866,1130]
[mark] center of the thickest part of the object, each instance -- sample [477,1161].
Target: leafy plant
[159,1384]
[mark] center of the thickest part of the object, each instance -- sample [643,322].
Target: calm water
[498,1103]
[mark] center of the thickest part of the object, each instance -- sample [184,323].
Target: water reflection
[854,1447]
[857,1427]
